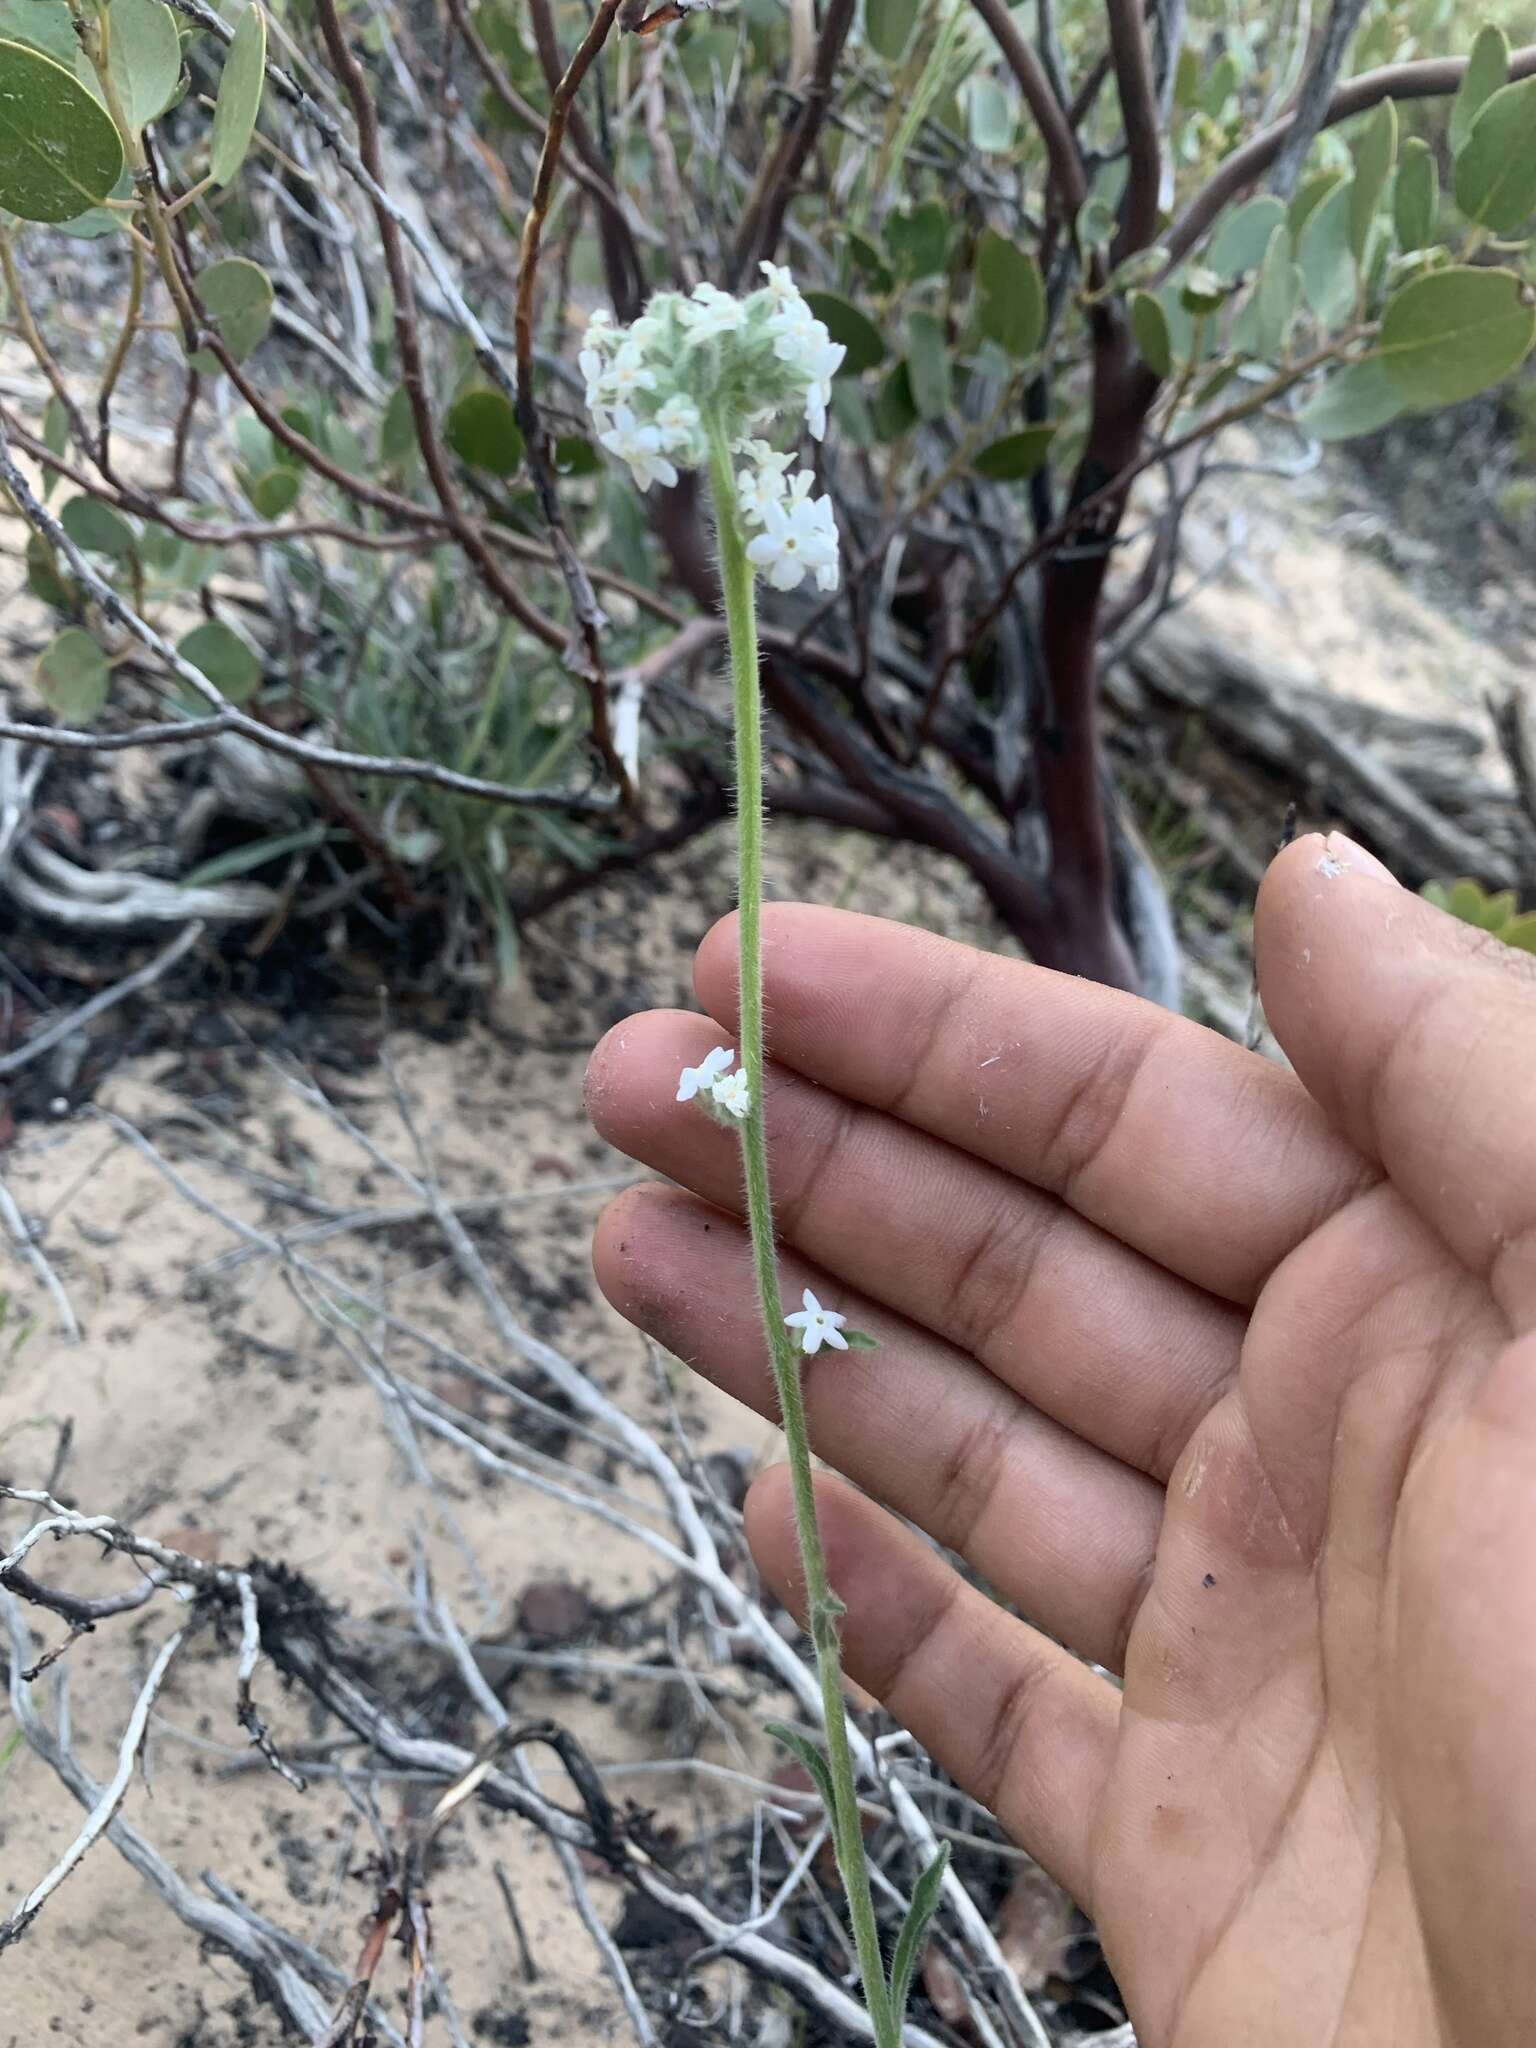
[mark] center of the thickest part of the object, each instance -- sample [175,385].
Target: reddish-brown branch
[621,261]
[1138,110]
[1060,142]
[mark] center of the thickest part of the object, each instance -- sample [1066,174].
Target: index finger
[1209,1159]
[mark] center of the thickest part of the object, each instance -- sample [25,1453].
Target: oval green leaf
[59,152]
[98,528]
[273,491]
[144,58]
[1149,325]
[1327,260]
[1375,154]
[928,364]
[1487,69]
[1451,333]
[1496,171]
[482,431]
[239,101]
[1276,296]
[1016,457]
[226,658]
[237,297]
[918,241]
[42,25]
[1012,305]
[845,323]
[72,676]
[888,26]
[1243,235]
[1416,195]
[1355,400]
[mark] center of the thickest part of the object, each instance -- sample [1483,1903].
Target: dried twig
[76,1020]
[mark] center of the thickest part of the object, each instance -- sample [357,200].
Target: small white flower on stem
[705,1074]
[678,423]
[821,360]
[627,374]
[817,1326]
[640,447]
[761,486]
[798,540]
[733,1094]
[779,284]
[709,312]
[793,326]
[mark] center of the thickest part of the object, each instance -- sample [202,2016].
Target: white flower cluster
[711,363]
[709,1081]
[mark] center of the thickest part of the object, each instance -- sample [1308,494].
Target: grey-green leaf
[1149,325]
[855,330]
[888,26]
[72,676]
[928,364]
[237,296]
[1016,457]
[926,1894]
[1012,303]
[1355,400]
[42,25]
[226,658]
[1449,334]
[239,101]
[918,241]
[1276,296]
[1375,154]
[1487,69]
[1327,260]
[1416,195]
[145,58]
[1496,171]
[59,152]
[1243,235]
[97,528]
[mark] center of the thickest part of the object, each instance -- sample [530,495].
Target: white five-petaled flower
[627,374]
[763,484]
[640,447]
[677,422]
[798,540]
[793,326]
[817,1326]
[778,282]
[733,1093]
[705,1074]
[709,312]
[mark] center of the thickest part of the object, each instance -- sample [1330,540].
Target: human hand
[1222,1376]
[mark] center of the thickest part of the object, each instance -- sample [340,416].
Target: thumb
[1417,1034]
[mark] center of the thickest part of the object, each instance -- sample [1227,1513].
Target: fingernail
[1342,856]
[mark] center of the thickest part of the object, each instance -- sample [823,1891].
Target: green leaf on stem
[894,411]
[918,241]
[237,297]
[869,263]
[72,676]
[855,330]
[1016,457]
[226,658]
[1496,171]
[98,529]
[144,58]
[1355,400]
[1243,234]
[273,491]
[1012,303]
[43,578]
[860,1340]
[1375,154]
[1327,259]
[928,364]
[59,152]
[482,430]
[1309,196]
[810,1756]
[42,25]
[926,1894]
[991,116]
[1149,326]
[888,26]
[1416,195]
[1487,69]
[239,101]
[1449,334]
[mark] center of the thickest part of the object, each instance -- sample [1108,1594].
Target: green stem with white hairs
[823,1605]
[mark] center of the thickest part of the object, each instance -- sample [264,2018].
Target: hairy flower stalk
[693,383]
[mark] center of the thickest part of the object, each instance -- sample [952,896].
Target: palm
[1219,1382]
